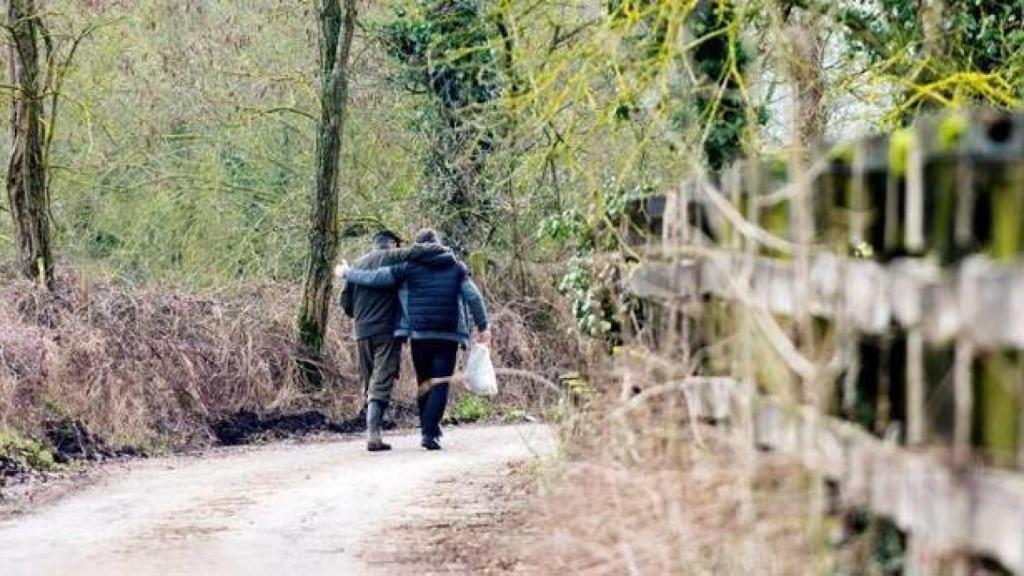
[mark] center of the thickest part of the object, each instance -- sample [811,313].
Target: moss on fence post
[831,203]
[774,214]
[997,219]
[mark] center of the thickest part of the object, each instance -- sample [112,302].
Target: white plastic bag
[480,378]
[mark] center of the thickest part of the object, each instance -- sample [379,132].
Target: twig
[513,372]
[744,226]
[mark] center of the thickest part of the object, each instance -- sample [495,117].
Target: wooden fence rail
[903,254]
[945,508]
[976,300]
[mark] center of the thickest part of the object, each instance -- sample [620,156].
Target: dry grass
[702,515]
[151,365]
[156,367]
[646,491]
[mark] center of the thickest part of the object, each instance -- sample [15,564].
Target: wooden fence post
[915,256]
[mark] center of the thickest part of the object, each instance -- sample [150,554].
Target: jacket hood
[423,252]
[438,260]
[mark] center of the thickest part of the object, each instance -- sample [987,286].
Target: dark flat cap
[385,234]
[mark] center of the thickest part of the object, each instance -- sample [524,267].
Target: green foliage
[715,102]
[678,111]
[184,149]
[444,56]
[516,415]
[983,36]
[566,228]
[722,60]
[589,283]
[185,146]
[889,551]
[26,453]
[470,408]
[988,35]
[594,307]
[443,47]
[952,53]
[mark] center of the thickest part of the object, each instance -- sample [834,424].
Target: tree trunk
[457,164]
[806,70]
[336,30]
[27,191]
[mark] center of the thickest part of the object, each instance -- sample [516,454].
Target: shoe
[374,424]
[377,445]
[430,443]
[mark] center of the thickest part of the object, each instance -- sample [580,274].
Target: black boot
[432,413]
[375,426]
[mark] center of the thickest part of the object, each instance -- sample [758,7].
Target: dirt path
[280,509]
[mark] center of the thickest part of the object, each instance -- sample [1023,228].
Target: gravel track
[288,508]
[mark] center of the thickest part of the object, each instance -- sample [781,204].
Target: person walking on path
[438,298]
[376,313]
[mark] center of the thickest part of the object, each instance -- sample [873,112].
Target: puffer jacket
[436,294]
[377,311]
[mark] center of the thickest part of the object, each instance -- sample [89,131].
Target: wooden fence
[867,317]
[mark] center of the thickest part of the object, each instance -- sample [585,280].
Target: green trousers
[379,360]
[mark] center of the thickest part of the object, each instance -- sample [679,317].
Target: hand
[483,337]
[342,269]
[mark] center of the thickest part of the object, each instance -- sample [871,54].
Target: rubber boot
[431,416]
[375,426]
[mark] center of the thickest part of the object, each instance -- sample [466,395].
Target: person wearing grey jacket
[376,313]
[438,302]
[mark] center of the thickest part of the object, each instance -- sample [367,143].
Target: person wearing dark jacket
[438,298]
[376,312]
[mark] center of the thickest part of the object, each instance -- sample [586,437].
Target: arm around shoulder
[410,253]
[385,277]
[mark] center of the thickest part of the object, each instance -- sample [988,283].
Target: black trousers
[434,361]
